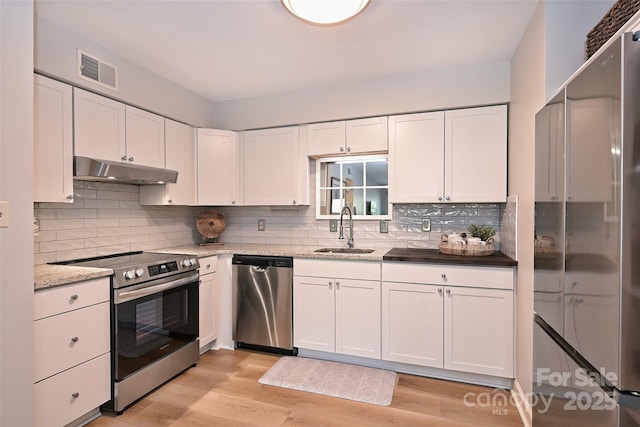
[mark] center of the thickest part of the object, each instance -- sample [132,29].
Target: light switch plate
[426,224]
[384,226]
[333,225]
[261,225]
[4,214]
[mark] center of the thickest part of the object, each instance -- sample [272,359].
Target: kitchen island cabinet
[180,155]
[348,137]
[218,168]
[110,130]
[52,141]
[72,369]
[455,156]
[336,307]
[452,317]
[275,167]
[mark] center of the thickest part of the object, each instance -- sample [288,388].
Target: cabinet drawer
[56,347]
[52,301]
[481,277]
[55,404]
[362,270]
[208,264]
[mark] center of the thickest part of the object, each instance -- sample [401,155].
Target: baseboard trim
[522,403]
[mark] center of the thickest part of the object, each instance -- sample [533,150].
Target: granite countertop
[47,276]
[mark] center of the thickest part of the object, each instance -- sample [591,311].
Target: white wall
[567,25]
[430,90]
[56,55]
[527,97]
[16,242]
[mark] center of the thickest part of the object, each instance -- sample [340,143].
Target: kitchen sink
[345,250]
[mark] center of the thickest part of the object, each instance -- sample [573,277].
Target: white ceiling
[228,49]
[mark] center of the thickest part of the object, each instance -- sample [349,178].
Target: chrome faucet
[341,235]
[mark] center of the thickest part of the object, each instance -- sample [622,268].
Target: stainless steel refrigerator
[587,246]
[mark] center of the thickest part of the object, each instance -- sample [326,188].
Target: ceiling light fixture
[325,12]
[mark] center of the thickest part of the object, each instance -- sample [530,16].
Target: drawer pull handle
[74,297]
[75,394]
[74,339]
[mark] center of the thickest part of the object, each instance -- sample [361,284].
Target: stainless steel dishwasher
[263,303]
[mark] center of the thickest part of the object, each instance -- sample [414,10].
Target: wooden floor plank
[223,390]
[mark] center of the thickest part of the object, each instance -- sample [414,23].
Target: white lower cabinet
[72,366]
[336,307]
[209,299]
[458,318]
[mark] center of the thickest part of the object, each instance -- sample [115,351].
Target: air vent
[95,70]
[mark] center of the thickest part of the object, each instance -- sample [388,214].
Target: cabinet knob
[330,284]
[73,297]
[233,202]
[123,158]
[449,291]
[574,283]
[439,197]
[208,266]
[294,202]
[75,394]
[69,197]
[447,198]
[444,276]
[75,339]
[342,149]
[439,290]
[170,201]
[337,284]
[579,299]
[348,149]
[131,159]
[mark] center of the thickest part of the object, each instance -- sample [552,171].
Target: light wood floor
[223,390]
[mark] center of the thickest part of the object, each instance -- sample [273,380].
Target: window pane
[377,173]
[353,174]
[377,201]
[355,199]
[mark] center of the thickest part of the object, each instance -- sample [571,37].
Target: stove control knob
[185,263]
[139,272]
[192,261]
[129,274]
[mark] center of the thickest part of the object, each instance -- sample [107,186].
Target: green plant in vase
[482,231]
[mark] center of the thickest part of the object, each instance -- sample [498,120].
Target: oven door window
[153,326]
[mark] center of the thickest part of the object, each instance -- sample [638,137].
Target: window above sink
[362,182]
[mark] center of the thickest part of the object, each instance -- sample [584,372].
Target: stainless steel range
[154,320]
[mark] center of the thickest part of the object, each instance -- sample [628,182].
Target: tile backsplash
[107,218]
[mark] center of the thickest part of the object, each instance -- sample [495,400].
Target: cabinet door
[207,300]
[476,155]
[550,152]
[52,141]
[180,156]
[412,325]
[313,313]
[271,172]
[145,137]
[416,153]
[99,126]
[358,317]
[478,331]
[217,167]
[367,135]
[326,139]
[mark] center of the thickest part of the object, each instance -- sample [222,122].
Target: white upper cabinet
[416,153]
[275,168]
[457,156]
[180,152]
[110,130]
[99,126]
[218,170]
[53,141]
[145,137]
[476,154]
[360,136]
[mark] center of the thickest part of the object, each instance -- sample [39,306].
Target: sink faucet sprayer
[341,235]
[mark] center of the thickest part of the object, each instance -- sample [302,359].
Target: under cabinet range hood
[88,169]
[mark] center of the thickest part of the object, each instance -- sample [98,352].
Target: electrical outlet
[4,214]
[333,225]
[384,226]
[261,225]
[426,224]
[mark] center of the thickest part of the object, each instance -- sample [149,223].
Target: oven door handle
[125,296]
